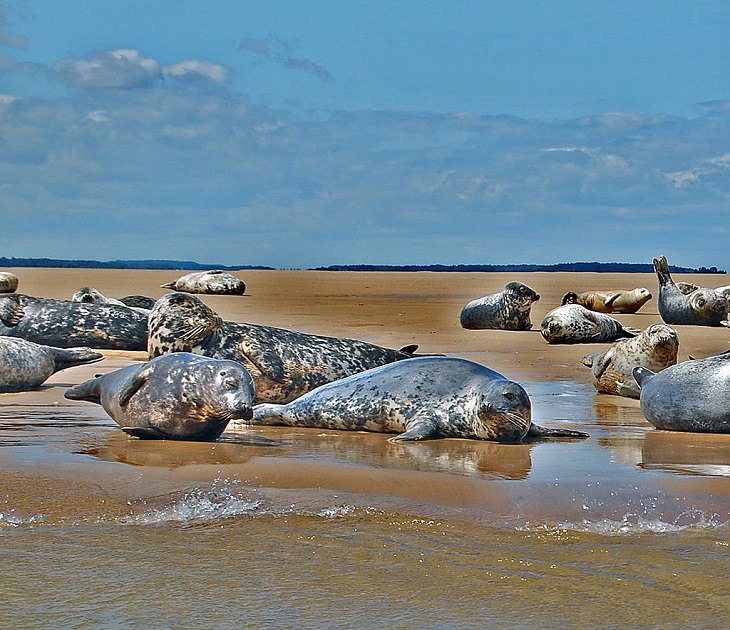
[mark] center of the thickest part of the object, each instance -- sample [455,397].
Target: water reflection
[686,453]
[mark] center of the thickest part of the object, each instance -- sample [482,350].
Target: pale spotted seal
[8,282]
[284,363]
[655,349]
[610,301]
[90,295]
[507,310]
[25,365]
[419,398]
[178,396]
[573,323]
[213,282]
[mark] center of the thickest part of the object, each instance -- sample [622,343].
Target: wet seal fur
[690,396]
[284,363]
[25,365]
[419,399]
[215,281]
[655,349]
[90,295]
[507,310]
[8,282]
[610,301]
[573,323]
[66,324]
[179,396]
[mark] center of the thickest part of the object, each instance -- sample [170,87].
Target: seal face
[284,363]
[507,310]
[25,365]
[689,396]
[655,349]
[573,323]
[214,281]
[610,301]
[420,398]
[179,396]
[90,295]
[8,282]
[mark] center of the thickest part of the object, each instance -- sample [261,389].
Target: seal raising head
[507,310]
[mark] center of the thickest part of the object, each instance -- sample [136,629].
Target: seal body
[655,349]
[179,396]
[214,281]
[610,301]
[419,398]
[8,282]
[138,301]
[90,295]
[573,323]
[507,310]
[66,324]
[689,396]
[25,365]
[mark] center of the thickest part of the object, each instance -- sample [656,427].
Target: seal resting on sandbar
[8,282]
[507,310]
[573,323]
[90,295]
[610,301]
[25,365]
[420,398]
[178,396]
[215,281]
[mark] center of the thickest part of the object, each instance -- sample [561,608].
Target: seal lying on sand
[90,295]
[689,396]
[656,349]
[214,282]
[179,396]
[610,301]
[573,323]
[420,399]
[284,363]
[8,282]
[25,365]
[507,310]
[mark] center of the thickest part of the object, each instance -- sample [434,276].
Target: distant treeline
[119,264]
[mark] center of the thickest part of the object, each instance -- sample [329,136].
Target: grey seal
[178,396]
[214,281]
[507,310]
[573,323]
[420,398]
[612,371]
[8,282]
[689,396]
[138,301]
[610,301]
[25,365]
[90,295]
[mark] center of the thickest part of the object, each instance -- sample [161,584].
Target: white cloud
[196,69]
[122,68]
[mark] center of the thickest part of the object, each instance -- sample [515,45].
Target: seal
[420,398]
[610,301]
[26,365]
[178,396]
[655,349]
[8,282]
[573,323]
[214,281]
[90,295]
[284,363]
[701,307]
[689,396]
[507,310]
[138,301]
[66,324]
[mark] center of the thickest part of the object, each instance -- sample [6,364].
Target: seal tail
[88,391]
[270,414]
[642,375]
[661,266]
[168,285]
[71,357]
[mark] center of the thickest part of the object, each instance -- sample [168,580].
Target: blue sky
[304,133]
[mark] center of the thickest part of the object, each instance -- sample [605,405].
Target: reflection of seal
[686,453]
[421,398]
[284,363]
[90,295]
[655,349]
[8,282]
[25,365]
[507,310]
[573,323]
[180,396]
[66,324]
[701,307]
[610,301]
[214,281]
[689,396]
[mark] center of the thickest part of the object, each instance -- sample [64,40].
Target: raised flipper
[611,299]
[131,386]
[601,365]
[411,349]
[12,309]
[422,427]
[145,433]
[536,431]
[661,266]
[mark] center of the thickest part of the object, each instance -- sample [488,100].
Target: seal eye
[509,395]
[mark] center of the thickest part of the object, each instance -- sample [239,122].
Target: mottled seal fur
[689,396]
[610,301]
[66,324]
[507,310]
[419,398]
[8,282]
[701,307]
[25,365]
[655,349]
[214,282]
[284,363]
[90,295]
[178,396]
[573,323]
[138,301]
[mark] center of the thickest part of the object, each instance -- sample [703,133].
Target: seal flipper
[88,391]
[71,357]
[410,349]
[12,309]
[536,431]
[168,285]
[601,363]
[627,390]
[131,386]
[661,266]
[611,299]
[628,331]
[145,433]
[422,427]
[588,359]
[642,375]
[269,363]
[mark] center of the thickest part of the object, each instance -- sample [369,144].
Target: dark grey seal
[214,282]
[689,396]
[419,398]
[507,310]
[25,365]
[179,396]
[8,282]
[284,363]
[90,295]
[573,323]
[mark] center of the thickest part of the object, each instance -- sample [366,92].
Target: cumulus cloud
[282,52]
[197,70]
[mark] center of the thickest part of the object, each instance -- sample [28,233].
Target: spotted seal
[507,310]
[8,282]
[178,396]
[610,301]
[25,365]
[689,396]
[656,349]
[573,323]
[420,398]
[90,295]
[66,324]
[215,281]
